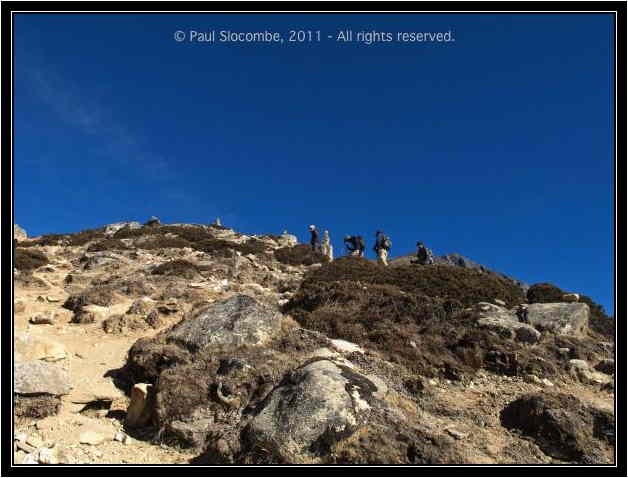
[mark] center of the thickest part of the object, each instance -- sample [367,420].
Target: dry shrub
[28,260]
[299,255]
[88,235]
[468,287]
[103,296]
[163,242]
[222,248]
[107,245]
[544,293]
[119,324]
[132,233]
[178,268]
[45,240]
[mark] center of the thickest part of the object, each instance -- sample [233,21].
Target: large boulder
[38,387]
[558,318]
[19,233]
[240,320]
[28,348]
[314,407]
[504,323]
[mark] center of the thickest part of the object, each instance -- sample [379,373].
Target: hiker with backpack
[382,246]
[424,255]
[355,245]
[314,239]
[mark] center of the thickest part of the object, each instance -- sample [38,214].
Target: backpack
[422,254]
[360,242]
[386,243]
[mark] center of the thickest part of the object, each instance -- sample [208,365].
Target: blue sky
[498,145]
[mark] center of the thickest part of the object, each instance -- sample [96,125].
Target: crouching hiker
[355,245]
[382,246]
[424,255]
[314,239]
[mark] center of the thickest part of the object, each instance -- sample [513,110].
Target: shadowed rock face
[237,321]
[562,426]
[315,407]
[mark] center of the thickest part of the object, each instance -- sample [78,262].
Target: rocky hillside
[197,344]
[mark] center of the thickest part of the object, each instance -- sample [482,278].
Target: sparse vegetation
[178,268]
[29,260]
[299,255]
[107,245]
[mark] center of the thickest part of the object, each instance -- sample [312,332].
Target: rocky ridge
[198,344]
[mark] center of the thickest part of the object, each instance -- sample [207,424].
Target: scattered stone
[531,378]
[142,404]
[456,434]
[53,299]
[30,459]
[547,383]
[343,346]
[582,371]
[19,436]
[47,456]
[500,302]
[34,348]
[571,298]
[42,319]
[91,438]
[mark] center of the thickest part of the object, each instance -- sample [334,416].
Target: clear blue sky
[498,146]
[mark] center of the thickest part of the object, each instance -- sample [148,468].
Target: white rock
[47,457]
[346,347]
[91,438]
[30,459]
[21,436]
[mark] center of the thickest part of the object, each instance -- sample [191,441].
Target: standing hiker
[326,248]
[314,240]
[382,246]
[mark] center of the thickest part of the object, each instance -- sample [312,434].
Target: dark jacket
[355,243]
[379,242]
[314,241]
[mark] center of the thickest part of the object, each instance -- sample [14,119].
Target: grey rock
[559,318]
[36,377]
[504,322]
[19,233]
[111,229]
[236,321]
[313,408]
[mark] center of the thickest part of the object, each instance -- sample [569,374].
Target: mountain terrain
[197,344]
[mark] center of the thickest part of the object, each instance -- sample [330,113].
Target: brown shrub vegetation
[462,285]
[101,295]
[28,260]
[178,268]
[163,242]
[299,255]
[107,245]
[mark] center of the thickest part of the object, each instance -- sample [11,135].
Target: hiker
[355,245]
[326,248]
[424,256]
[382,246]
[314,240]
[153,221]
